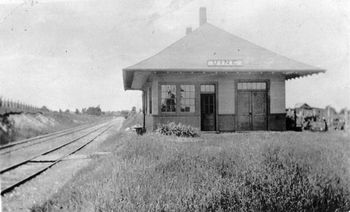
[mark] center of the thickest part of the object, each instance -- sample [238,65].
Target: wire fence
[8,106]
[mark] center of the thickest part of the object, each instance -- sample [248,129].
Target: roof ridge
[164,49]
[207,33]
[261,47]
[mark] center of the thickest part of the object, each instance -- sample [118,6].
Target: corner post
[143,111]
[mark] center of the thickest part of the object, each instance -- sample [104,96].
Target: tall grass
[232,172]
[30,125]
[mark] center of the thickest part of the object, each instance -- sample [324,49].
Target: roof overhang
[297,74]
[134,79]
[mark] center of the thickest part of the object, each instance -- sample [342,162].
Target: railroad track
[33,166]
[13,146]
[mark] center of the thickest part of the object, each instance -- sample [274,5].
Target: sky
[68,54]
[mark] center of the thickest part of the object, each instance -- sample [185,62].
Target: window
[187,101]
[168,98]
[207,88]
[251,86]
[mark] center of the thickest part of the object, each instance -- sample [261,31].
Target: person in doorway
[171,101]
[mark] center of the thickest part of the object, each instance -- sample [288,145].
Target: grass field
[260,171]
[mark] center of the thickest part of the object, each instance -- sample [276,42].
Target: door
[259,110]
[251,106]
[244,110]
[208,112]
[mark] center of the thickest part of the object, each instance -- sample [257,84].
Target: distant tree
[133,109]
[67,111]
[94,111]
[60,111]
[77,111]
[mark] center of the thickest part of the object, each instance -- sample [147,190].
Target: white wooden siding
[226,92]
[155,97]
[277,96]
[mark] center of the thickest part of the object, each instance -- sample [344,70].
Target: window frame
[178,99]
[251,82]
[207,92]
[194,98]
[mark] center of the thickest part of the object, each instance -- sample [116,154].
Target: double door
[251,110]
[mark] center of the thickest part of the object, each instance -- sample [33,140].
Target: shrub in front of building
[180,130]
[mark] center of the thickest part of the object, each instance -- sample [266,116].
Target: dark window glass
[187,101]
[168,98]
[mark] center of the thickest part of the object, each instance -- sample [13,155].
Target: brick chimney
[202,16]
[188,30]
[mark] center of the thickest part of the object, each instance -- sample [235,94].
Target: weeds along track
[12,159]
[19,171]
[13,146]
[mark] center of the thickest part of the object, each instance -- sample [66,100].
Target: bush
[7,131]
[179,130]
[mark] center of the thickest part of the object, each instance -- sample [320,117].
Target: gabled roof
[192,53]
[306,106]
[303,105]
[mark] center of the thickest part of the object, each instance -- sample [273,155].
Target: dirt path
[41,188]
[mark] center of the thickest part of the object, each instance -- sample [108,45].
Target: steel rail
[44,139]
[35,138]
[53,135]
[4,170]
[37,141]
[22,181]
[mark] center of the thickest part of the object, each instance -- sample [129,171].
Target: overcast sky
[70,54]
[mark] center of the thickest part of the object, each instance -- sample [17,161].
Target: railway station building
[215,81]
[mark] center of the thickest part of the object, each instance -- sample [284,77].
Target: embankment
[14,127]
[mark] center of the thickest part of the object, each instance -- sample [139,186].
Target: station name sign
[224,63]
